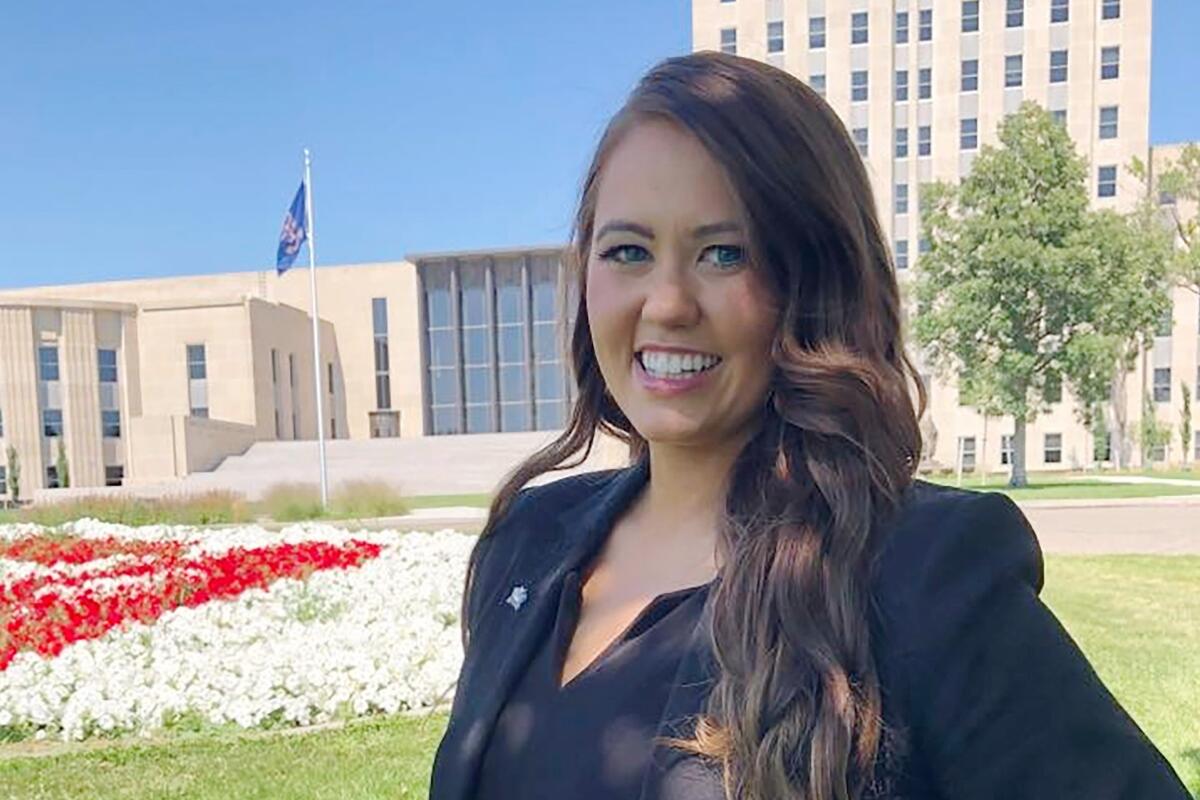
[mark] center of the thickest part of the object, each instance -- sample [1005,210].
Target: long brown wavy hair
[796,711]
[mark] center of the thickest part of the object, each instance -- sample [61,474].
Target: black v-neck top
[591,740]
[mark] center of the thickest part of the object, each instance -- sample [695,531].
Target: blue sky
[158,138]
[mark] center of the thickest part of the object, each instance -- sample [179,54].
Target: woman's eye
[729,255]
[608,255]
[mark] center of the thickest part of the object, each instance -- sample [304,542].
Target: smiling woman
[765,604]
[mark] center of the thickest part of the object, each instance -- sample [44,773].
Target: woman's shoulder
[948,547]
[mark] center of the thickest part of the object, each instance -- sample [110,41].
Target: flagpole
[312,283]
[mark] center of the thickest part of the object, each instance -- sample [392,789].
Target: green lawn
[1058,487]
[1137,618]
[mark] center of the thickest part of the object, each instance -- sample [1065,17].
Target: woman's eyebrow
[700,232]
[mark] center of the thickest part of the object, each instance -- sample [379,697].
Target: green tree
[1011,284]
[64,476]
[1151,432]
[14,473]
[1099,428]
[1162,194]
[1185,421]
[1126,260]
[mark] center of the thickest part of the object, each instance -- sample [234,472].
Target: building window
[52,422]
[924,83]
[443,355]
[817,82]
[966,444]
[110,423]
[1060,116]
[107,362]
[901,85]
[925,26]
[923,245]
[3,479]
[197,369]
[512,316]
[902,196]
[48,363]
[1012,70]
[114,475]
[550,378]
[1006,448]
[970,16]
[858,85]
[1110,63]
[1162,384]
[1106,453]
[1196,448]
[902,254]
[816,33]
[1158,452]
[924,140]
[1052,388]
[274,366]
[1014,16]
[729,41]
[383,380]
[901,27]
[860,141]
[1052,448]
[477,346]
[1060,10]
[329,376]
[858,27]
[970,75]
[1106,183]
[51,476]
[196,361]
[1163,326]
[1110,9]
[1058,66]
[775,36]
[901,142]
[1108,122]
[968,133]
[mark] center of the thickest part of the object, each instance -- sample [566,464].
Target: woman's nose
[671,298]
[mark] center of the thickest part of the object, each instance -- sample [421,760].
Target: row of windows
[1014,17]
[1014,75]
[47,363]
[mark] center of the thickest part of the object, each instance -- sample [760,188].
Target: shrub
[364,498]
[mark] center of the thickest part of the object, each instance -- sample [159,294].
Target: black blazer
[994,697]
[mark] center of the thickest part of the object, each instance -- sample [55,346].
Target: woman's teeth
[674,365]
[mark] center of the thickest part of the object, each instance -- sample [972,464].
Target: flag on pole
[294,233]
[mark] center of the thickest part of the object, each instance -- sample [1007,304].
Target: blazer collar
[573,536]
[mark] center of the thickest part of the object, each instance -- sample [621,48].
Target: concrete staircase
[417,466]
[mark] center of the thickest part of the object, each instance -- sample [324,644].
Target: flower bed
[109,629]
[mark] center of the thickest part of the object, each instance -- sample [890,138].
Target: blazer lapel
[570,538]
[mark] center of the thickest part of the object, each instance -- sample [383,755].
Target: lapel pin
[517,596]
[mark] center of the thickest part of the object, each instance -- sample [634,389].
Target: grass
[291,502]
[202,508]
[1134,616]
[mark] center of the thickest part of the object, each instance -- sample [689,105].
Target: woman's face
[668,266]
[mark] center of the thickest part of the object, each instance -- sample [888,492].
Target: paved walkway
[1137,479]
[1133,525]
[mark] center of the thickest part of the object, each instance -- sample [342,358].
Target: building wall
[1084,93]
[344,302]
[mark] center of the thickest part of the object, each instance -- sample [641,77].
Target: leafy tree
[1185,420]
[64,477]
[14,473]
[1151,432]
[1014,291]
[1179,181]
[1127,259]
